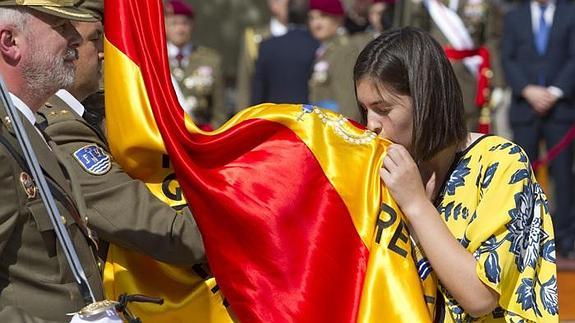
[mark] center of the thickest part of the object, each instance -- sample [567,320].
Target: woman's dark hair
[410,62]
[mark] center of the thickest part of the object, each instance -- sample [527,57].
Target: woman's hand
[403,179]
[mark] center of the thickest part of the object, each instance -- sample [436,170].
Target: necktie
[542,35]
[180,58]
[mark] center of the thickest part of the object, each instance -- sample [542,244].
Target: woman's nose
[372,123]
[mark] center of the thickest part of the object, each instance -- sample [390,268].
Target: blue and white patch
[93,159]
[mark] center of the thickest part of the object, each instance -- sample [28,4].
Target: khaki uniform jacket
[332,77]
[36,283]
[202,84]
[484,23]
[120,209]
[249,48]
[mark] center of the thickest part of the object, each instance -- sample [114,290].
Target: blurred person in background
[284,63]
[331,83]
[539,64]
[197,70]
[380,17]
[249,48]
[466,29]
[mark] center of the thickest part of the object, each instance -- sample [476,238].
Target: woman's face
[389,114]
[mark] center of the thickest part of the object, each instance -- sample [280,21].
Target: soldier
[331,83]
[38,49]
[249,48]
[379,19]
[464,28]
[121,210]
[196,69]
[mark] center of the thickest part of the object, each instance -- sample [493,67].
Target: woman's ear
[9,46]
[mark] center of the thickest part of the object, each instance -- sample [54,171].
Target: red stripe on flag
[279,238]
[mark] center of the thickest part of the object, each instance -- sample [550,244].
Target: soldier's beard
[46,74]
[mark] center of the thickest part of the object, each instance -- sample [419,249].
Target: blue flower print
[492,268]
[517,150]
[548,296]
[549,251]
[540,197]
[526,296]
[489,173]
[457,178]
[491,264]
[519,175]
[525,232]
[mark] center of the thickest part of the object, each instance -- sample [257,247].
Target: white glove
[109,316]
[498,98]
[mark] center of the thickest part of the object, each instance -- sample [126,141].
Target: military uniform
[249,48]
[331,83]
[200,79]
[121,210]
[36,283]
[482,19]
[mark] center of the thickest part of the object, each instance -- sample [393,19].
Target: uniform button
[63,219]
[7,122]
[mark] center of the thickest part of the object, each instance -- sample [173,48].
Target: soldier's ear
[10,46]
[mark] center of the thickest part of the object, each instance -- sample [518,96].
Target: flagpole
[46,195]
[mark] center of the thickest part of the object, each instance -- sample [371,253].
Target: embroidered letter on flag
[296,224]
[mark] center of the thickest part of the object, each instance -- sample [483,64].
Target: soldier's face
[49,52]
[90,58]
[323,26]
[389,114]
[179,29]
[279,9]
[375,13]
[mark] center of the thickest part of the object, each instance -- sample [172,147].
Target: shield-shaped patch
[93,159]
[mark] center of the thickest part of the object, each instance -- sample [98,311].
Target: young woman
[472,201]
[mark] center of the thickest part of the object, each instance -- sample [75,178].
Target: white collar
[174,50]
[277,28]
[71,101]
[23,107]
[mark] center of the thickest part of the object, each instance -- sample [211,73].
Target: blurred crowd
[514,60]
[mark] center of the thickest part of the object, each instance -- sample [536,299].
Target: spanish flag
[296,224]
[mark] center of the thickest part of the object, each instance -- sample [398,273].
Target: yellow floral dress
[495,208]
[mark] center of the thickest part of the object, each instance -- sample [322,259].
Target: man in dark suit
[37,58]
[284,63]
[538,57]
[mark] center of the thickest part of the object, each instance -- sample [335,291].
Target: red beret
[179,7]
[332,7]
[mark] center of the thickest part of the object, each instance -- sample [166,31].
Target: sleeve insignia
[93,159]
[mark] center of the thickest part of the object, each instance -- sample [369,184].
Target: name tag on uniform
[93,159]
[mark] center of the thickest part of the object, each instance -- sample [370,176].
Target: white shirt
[71,101]
[174,50]
[277,28]
[22,107]
[536,15]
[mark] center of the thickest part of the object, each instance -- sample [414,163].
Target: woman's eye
[383,111]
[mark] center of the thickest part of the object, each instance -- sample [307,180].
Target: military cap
[332,7]
[95,7]
[179,7]
[67,9]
